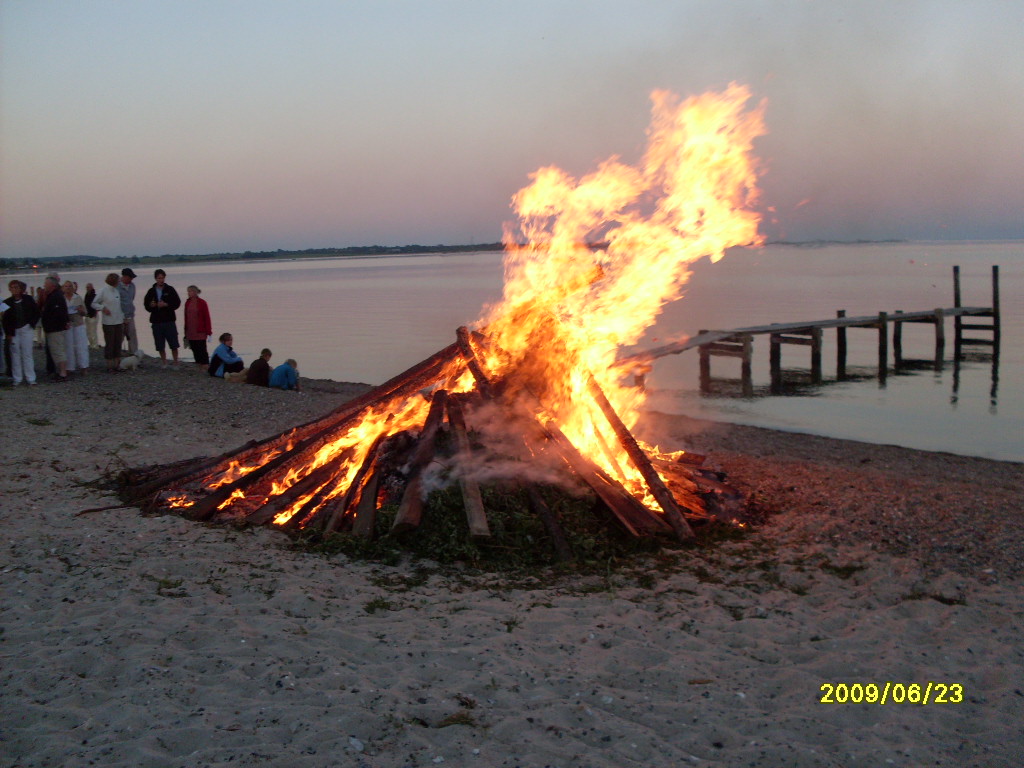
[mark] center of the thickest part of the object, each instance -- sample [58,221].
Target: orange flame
[690,197]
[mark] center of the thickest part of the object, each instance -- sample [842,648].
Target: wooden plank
[366,509]
[634,516]
[345,505]
[472,500]
[643,464]
[410,508]
[799,341]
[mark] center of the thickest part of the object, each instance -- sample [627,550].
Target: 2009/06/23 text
[894,693]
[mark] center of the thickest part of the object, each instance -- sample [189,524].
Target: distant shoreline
[356,252]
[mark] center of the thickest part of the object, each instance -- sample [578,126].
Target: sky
[157,127]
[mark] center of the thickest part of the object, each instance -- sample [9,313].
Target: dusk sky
[195,126]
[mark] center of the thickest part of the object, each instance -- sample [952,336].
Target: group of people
[227,364]
[59,313]
[68,324]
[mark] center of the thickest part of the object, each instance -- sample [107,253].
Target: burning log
[357,488]
[366,509]
[410,510]
[315,482]
[643,464]
[181,474]
[634,516]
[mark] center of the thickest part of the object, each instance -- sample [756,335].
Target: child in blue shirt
[286,376]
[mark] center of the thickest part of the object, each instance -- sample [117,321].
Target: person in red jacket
[198,327]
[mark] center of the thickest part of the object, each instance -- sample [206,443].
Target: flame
[235,494]
[235,470]
[691,196]
[588,267]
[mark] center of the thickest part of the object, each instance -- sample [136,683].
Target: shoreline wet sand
[152,641]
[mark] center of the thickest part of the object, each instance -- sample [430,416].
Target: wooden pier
[739,342]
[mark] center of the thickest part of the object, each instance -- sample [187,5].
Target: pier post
[705,365]
[746,376]
[841,348]
[940,337]
[958,332]
[897,340]
[816,334]
[883,347]
[995,306]
[775,362]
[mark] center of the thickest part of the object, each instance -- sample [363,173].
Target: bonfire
[532,393]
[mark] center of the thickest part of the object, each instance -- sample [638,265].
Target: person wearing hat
[126,289]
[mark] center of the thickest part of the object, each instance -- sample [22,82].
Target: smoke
[507,445]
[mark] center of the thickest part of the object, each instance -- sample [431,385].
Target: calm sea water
[368,319]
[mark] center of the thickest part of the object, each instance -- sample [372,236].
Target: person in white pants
[77,341]
[20,316]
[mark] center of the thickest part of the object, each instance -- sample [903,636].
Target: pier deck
[738,342]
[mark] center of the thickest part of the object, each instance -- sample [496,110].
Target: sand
[134,641]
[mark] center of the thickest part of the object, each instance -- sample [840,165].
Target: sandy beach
[136,641]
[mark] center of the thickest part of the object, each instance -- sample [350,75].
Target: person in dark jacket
[20,315]
[259,370]
[161,301]
[92,318]
[53,314]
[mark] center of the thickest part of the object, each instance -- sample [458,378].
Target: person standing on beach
[198,326]
[259,370]
[40,337]
[76,343]
[108,305]
[126,289]
[53,315]
[20,315]
[92,318]
[161,301]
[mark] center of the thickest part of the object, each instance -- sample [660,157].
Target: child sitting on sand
[286,376]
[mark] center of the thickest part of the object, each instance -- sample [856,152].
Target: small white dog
[129,363]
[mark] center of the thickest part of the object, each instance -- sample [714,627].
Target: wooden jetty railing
[738,342]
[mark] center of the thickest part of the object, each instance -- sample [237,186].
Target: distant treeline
[82,260]
[355,251]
